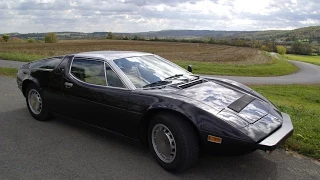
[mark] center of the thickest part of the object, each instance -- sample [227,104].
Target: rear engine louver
[184,86]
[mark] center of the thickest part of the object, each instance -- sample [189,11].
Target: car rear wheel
[173,142]
[35,103]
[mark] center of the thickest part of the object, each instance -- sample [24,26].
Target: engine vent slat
[193,83]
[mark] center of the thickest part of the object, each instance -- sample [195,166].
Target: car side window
[50,63]
[112,79]
[89,71]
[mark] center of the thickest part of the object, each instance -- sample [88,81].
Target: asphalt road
[65,149]
[307,74]
[11,64]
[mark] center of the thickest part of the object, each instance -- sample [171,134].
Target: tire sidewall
[167,121]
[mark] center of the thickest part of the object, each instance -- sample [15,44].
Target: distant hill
[185,33]
[311,33]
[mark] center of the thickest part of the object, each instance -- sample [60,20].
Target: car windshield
[151,70]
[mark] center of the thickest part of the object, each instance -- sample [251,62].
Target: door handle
[68,85]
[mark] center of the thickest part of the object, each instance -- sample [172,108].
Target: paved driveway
[65,149]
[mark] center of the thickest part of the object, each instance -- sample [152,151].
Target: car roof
[111,55]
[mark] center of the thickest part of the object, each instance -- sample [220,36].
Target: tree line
[271,45]
[49,38]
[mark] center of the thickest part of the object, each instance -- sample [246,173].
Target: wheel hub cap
[163,143]
[35,101]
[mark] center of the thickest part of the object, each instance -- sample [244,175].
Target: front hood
[212,94]
[242,109]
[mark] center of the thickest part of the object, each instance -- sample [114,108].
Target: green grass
[275,68]
[14,56]
[8,71]
[302,103]
[310,59]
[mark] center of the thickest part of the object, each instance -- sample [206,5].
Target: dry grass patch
[169,50]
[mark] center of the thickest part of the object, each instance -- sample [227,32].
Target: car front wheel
[35,103]
[173,142]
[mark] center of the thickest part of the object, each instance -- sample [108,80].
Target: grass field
[302,103]
[8,71]
[275,67]
[310,59]
[205,58]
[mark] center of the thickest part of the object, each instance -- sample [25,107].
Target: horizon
[160,31]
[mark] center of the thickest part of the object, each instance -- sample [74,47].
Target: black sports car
[148,98]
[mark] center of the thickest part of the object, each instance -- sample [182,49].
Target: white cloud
[148,15]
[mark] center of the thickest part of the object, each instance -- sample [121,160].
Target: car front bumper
[269,143]
[275,139]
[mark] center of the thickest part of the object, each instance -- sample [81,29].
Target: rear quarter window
[49,63]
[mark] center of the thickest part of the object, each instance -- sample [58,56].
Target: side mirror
[59,70]
[190,68]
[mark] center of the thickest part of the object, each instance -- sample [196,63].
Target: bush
[39,41]
[138,38]
[125,38]
[5,37]
[281,50]
[212,41]
[265,48]
[31,40]
[51,38]
[17,40]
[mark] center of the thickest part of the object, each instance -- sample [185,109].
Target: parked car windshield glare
[144,70]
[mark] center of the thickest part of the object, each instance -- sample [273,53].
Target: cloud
[148,15]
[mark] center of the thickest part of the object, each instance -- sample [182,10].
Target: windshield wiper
[174,76]
[157,83]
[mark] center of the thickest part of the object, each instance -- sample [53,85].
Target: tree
[51,38]
[281,50]
[296,47]
[135,37]
[270,44]
[110,35]
[5,37]
[301,48]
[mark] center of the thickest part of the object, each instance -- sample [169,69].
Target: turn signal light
[214,139]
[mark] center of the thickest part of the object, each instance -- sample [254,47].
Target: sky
[27,16]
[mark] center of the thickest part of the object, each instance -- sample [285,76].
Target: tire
[181,138]
[35,103]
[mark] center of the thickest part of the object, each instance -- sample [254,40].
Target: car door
[94,100]
[54,96]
